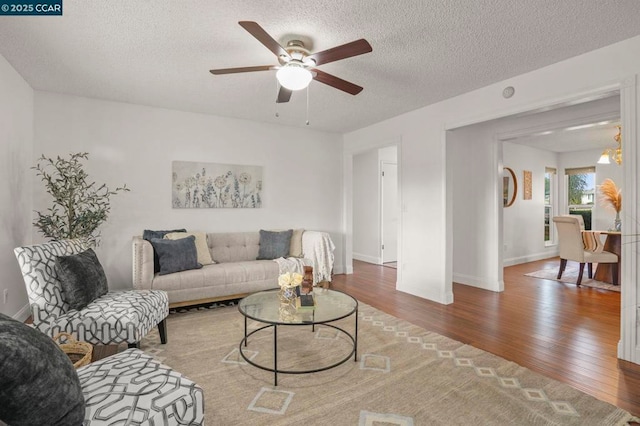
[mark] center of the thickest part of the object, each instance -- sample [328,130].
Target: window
[581,192]
[549,197]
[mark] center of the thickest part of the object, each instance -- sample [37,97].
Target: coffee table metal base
[275,370]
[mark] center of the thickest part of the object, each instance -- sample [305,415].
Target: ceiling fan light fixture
[294,76]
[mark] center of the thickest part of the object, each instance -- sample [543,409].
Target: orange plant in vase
[611,196]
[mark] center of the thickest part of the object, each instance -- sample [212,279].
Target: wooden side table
[612,244]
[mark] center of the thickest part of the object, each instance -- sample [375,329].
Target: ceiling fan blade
[263,37]
[348,50]
[336,82]
[284,95]
[242,69]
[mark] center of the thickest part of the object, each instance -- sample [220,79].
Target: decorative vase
[617,223]
[287,296]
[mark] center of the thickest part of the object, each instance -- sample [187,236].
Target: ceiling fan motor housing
[297,52]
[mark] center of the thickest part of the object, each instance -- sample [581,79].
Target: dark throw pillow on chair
[38,384]
[149,235]
[274,244]
[82,278]
[176,255]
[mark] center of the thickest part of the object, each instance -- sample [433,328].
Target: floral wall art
[211,185]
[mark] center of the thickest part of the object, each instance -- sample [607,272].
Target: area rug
[570,276]
[404,375]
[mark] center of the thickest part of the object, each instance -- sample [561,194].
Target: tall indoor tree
[80,205]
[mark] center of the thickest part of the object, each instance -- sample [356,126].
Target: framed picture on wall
[527,179]
[211,185]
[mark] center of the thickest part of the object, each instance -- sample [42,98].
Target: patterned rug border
[462,356]
[570,276]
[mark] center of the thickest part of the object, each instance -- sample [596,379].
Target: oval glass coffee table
[331,306]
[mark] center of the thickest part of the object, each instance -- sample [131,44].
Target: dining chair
[572,248]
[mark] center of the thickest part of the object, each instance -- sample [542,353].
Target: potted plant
[611,196]
[79,207]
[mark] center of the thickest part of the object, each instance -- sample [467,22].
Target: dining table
[612,244]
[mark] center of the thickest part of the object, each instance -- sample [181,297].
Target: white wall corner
[366,258]
[340,269]
[478,282]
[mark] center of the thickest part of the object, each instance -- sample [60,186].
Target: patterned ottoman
[134,389]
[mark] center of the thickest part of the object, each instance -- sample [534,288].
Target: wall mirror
[509,187]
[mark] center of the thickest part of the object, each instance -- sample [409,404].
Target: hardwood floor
[562,331]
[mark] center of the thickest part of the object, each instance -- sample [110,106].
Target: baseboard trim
[368,259]
[472,281]
[22,314]
[529,258]
[339,269]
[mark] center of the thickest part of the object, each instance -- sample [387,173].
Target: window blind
[579,171]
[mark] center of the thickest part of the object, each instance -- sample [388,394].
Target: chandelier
[614,154]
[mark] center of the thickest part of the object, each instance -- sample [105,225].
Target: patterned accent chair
[117,317]
[131,388]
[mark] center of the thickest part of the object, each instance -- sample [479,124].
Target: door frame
[381,207]
[348,201]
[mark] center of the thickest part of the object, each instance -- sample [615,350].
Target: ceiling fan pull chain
[307,105]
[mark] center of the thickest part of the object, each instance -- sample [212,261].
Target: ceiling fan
[297,65]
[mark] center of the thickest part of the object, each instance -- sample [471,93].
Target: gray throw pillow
[149,235]
[274,244]
[38,384]
[176,255]
[82,278]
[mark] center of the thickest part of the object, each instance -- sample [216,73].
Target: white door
[389,208]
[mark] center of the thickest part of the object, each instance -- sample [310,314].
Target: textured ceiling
[159,52]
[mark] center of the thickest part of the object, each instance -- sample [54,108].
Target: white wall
[16,139]
[135,145]
[427,216]
[471,159]
[523,221]
[366,207]
[388,154]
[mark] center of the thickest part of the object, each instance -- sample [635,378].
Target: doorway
[487,267]
[376,205]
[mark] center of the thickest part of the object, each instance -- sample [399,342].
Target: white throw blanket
[321,256]
[292,264]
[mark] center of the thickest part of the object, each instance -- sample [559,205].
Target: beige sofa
[236,272]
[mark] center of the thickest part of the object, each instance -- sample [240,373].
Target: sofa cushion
[295,249]
[204,257]
[176,255]
[82,278]
[234,246]
[274,244]
[219,279]
[38,384]
[148,235]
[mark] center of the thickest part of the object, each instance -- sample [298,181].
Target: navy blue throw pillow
[176,255]
[274,244]
[38,384]
[82,278]
[150,235]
